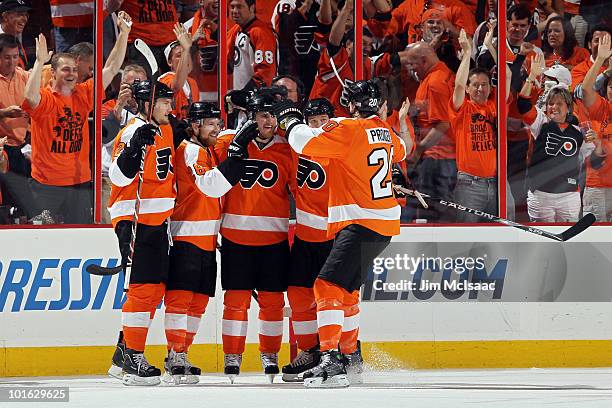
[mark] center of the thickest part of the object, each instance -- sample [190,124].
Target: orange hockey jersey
[157,193]
[361,152]
[256,210]
[311,198]
[197,213]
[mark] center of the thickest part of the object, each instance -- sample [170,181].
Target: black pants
[351,256]
[72,203]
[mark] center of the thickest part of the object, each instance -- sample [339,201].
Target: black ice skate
[306,360]
[137,370]
[232,366]
[178,370]
[116,368]
[354,365]
[330,373]
[269,362]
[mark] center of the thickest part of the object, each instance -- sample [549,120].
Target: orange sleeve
[88,88]
[600,110]
[331,140]
[438,97]
[264,47]
[44,106]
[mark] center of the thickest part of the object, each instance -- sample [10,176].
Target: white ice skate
[330,373]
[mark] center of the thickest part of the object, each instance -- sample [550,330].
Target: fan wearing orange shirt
[185,89]
[559,44]
[252,47]
[60,132]
[255,246]
[363,215]
[435,147]
[597,197]
[579,71]
[473,123]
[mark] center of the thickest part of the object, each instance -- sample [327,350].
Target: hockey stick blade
[146,52]
[98,270]
[582,224]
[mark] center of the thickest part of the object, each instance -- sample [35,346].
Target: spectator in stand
[83,54]
[184,88]
[13,127]
[597,197]
[72,22]
[14,17]
[116,114]
[474,126]
[204,29]
[571,13]
[580,70]
[521,50]
[436,31]
[559,44]
[252,48]
[60,133]
[296,23]
[434,155]
[153,22]
[294,86]
[559,150]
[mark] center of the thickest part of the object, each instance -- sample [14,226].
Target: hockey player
[201,180]
[362,213]
[255,248]
[311,245]
[149,270]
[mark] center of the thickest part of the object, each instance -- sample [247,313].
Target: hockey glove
[238,149]
[144,136]
[236,100]
[287,113]
[398,179]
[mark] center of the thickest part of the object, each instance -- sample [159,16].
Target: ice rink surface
[521,388]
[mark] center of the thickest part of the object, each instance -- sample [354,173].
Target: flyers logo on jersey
[262,172]
[379,135]
[556,144]
[164,165]
[311,173]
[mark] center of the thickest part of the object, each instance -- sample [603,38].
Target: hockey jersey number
[380,185]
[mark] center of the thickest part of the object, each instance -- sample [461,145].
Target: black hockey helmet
[203,110]
[366,95]
[260,102]
[142,91]
[318,106]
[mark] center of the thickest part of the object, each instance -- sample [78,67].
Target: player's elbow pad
[524,105]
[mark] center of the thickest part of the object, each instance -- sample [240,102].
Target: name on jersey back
[379,135]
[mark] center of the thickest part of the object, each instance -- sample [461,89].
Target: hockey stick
[566,235]
[98,270]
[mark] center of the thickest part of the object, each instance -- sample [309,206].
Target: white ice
[520,388]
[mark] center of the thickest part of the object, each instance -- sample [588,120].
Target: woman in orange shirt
[560,46]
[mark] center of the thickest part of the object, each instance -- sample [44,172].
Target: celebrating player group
[185,182]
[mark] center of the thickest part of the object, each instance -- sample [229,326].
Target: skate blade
[179,379]
[270,378]
[355,378]
[131,379]
[232,377]
[292,378]
[116,372]
[337,381]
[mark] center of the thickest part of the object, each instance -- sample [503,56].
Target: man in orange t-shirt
[474,129]
[434,156]
[60,132]
[184,88]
